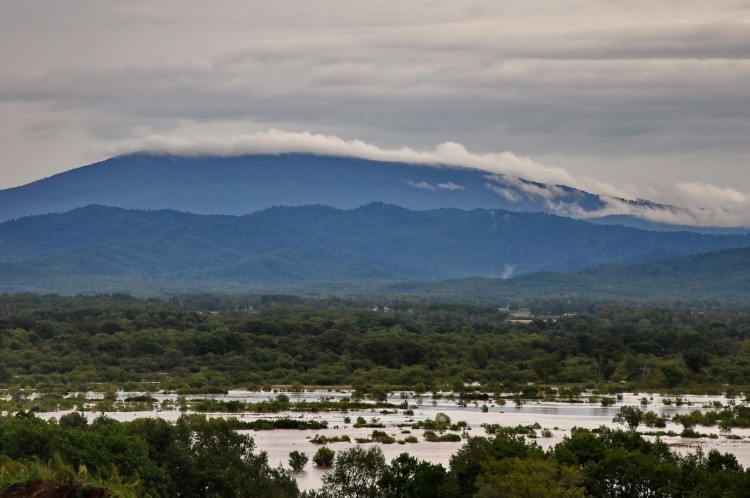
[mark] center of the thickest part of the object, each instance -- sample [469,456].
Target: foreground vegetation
[196,457]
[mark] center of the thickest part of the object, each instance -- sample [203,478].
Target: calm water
[559,418]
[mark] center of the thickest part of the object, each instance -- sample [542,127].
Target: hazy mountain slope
[716,275]
[322,244]
[727,270]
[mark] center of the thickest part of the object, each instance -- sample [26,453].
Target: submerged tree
[324,457]
[632,416]
[297,460]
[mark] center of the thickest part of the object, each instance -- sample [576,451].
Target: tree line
[59,343]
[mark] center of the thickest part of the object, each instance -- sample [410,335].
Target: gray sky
[646,99]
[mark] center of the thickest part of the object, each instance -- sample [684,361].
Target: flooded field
[557,417]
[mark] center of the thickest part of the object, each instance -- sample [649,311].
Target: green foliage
[357,473]
[324,457]
[530,478]
[431,437]
[408,477]
[197,457]
[319,439]
[297,460]
[632,416]
[16,473]
[163,459]
[69,343]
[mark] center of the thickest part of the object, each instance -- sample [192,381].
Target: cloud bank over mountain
[696,204]
[640,93]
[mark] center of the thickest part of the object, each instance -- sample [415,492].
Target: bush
[324,457]
[297,460]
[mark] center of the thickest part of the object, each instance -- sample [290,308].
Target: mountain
[104,248]
[246,184]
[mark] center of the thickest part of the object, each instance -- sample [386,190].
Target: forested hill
[112,248]
[723,275]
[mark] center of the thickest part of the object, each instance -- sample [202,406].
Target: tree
[324,457]
[695,359]
[673,373]
[625,474]
[632,416]
[297,460]
[442,421]
[408,477]
[531,478]
[465,466]
[73,419]
[219,461]
[546,366]
[356,473]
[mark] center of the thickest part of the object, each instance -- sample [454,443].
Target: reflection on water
[559,418]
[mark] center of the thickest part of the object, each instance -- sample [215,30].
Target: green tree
[625,474]
[442,421]
[297,460]
[673,373]
[695,359]
[529,478]
[324,457]
[73,419]
[408,477]
[546,366]
[356,473]
[632,416]
[465,466]
[223,462]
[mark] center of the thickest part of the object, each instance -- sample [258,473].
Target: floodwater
[559,418]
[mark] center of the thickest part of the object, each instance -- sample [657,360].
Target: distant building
[521,314]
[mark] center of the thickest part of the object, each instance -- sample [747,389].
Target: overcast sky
[646,99]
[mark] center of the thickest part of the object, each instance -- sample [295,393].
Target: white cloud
[625,87]
[509,175]
[445,154]
[505,193]
[704,192]
[449,186]
[423,185]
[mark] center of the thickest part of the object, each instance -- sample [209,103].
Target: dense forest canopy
[186,343]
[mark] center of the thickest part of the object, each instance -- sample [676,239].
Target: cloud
[449,186]
[514,178]
[445,154]
[505,193]
[423,185]
[703,192]
[625,87]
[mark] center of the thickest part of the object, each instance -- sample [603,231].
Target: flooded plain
[557,417]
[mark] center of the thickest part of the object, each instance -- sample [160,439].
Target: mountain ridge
[319,244]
